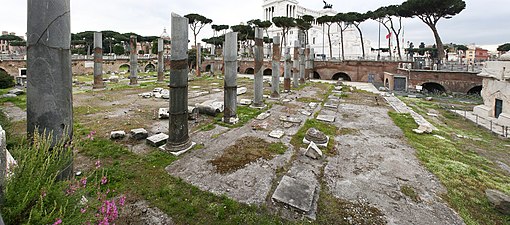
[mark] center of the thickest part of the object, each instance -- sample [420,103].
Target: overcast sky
[484,22]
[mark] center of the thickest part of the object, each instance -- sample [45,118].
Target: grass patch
[410,192]
[244,113]
[246,151]
[327,129]
[145,177]
[207,127]
[19,101]
[308,100]
[464,173]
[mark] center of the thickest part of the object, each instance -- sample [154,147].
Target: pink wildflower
[83,182]
[122,200]
[104,180]
[98,164]
[59,221]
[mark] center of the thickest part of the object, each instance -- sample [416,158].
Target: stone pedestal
[98,60]
[133,61]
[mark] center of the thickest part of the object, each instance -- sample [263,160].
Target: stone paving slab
[296,193]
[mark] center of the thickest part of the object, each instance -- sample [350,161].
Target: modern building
[6,48]
[475,55]
[318,38]
[496,91]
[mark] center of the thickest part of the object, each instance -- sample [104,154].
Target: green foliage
[32,195]
[286,23]
[6,80]
[504,47]
[119,49]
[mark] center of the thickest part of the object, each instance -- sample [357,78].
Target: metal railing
[486,123]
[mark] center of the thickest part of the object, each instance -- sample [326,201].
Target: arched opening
[316,75]
[387,83]
[124,68]
[432,87]
[341,76]
[208,68]
[150,68]
[238,69]
[249,71]
[268,72]
[477,90]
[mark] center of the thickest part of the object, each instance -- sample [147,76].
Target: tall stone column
[308,63]
[277,56]
[49,75]
[295,66]
[230,94]
[259,77]
[133,61]
[199,60]
[178,126]
[287,70]
[302,62]
[161,63]
[98,60]
[312,63]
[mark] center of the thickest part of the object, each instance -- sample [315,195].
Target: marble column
[259,61]
[161,63]
[302,62]
[133,62]
[49,74]
[98,60]
[199,60]
[287,70]
[307,63]
[312,63]
[230,93]
[277,56]
[295,66]
[178,124]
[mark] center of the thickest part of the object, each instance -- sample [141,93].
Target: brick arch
[316,75]
[124,65]
[341,75]
[150,66]
[249,70]
[268,72]
[475,90]
[435,87]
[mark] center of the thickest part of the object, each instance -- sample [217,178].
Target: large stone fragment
[139,134]
[242,90]
[326,118]
[500,201]
[316,136]
[193,113]
[295,193]
[424,129]
[278,134]
[290,119]
[157,140]
[16,91]
[263,116]
[114,135]
[163,113]
[313,151]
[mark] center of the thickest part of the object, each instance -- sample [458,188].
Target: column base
[254,106]
[232,121]
[179,149]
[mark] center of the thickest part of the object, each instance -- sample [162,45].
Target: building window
[498,108]
[313,40]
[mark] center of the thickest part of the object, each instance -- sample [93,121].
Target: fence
[484,122]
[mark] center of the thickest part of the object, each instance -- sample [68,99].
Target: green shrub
[6,80]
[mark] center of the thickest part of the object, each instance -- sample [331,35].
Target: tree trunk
[397,36]
[439,43]
[362,43]
[329,39]
[342,43]
[389,39]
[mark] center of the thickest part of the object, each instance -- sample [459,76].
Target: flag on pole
[388,36]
